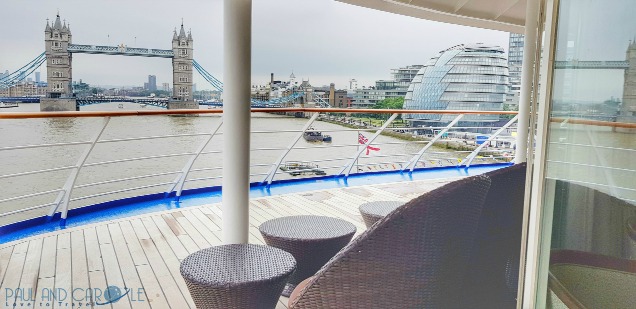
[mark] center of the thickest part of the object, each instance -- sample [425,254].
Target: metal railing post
[349,165]
[416,158]
[63,198]
[469,159]
[179,182]
[270,175]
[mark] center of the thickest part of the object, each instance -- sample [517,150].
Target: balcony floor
[145,251]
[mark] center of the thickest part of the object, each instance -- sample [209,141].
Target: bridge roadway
[591,65]
[159,102]
[120,50]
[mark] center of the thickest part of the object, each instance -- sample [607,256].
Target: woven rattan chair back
[491,280]
[415,257]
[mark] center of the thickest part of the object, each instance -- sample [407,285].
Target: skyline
[322,40]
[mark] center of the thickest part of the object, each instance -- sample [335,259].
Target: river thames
[266,149]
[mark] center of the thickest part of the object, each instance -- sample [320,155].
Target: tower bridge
[59,65]
[58,55]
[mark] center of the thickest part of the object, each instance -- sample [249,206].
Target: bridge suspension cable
[255,103]
[207,76]
[23,72]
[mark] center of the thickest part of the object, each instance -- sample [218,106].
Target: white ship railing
[65,197]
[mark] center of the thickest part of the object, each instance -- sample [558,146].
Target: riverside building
[383,89]
[463,77]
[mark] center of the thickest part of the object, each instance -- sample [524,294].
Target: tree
[390,103]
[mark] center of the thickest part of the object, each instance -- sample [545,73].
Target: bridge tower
[58,60]
[629,91]
[182,66]
[628,108]
[59,72]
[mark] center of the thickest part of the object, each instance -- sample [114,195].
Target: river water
[64,130]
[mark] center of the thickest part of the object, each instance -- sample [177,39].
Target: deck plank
[170,260]
[169,286]
[43,295]
[103,236]
[129,274]
[63,273]
[48,258]
[31,269]
[189,236]
[196,235]
[152,289]
[202,225]
[11,281]
[208,211]
[5,254]
[136,252]
[177,246]
[93,253]
[113,272]
[79,266]
[140,229]
[145,251]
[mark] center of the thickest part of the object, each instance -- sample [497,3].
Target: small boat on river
[311,135]
[296,168]
[8,104]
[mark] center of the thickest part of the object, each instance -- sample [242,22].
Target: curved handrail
[28,115]
[627,125]
[378,159]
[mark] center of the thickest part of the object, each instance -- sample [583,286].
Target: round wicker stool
[237,276]
[374,211]
[312,240]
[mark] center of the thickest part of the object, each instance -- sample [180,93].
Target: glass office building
[463,77]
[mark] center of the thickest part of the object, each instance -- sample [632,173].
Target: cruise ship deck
[143,252]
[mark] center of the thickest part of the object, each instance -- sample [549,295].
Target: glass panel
[591,156]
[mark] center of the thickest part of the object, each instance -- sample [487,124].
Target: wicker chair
[416,257]
[493,272]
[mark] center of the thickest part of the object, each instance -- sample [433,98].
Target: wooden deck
[143,252]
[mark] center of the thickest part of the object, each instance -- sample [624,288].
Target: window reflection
[591,157]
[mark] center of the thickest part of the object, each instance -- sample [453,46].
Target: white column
[237,48]
[527,76]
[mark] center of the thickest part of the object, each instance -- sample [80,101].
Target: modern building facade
[515,59]
[152,83]
[383,89]
[463,77]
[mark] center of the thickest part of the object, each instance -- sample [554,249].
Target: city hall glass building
[463,77]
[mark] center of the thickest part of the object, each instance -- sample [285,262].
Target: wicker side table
[237,276]
[374,211]
[312,240]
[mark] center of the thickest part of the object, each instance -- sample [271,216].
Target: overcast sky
[320,40]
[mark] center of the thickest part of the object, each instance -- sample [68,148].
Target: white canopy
[503,15]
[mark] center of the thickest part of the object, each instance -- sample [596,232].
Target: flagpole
[358,149]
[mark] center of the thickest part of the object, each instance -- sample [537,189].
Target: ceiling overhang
[502,15]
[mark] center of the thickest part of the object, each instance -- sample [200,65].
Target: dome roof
[462,77]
